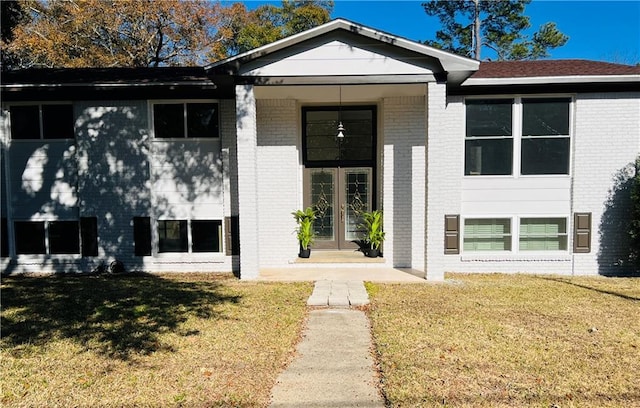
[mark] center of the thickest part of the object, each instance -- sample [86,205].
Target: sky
[597,30]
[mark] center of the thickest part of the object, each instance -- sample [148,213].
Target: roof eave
[542,80]
[450,62]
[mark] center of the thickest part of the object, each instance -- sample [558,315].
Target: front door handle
[342,213]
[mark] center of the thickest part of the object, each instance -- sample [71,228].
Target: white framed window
[521,135]
[42,121]
[180,120]
[487,234]
[543,234]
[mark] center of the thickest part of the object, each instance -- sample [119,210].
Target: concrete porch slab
[362,274]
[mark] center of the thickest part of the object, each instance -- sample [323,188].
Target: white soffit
[335,58]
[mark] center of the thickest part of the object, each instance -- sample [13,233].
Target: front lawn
[170,340]
[509,341]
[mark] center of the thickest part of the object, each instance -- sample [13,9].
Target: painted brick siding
[607,141]
[279,175]
[404,180]
[445,129]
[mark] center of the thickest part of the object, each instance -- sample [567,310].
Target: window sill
[560,256]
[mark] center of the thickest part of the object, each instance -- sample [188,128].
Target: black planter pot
[372,253]
[304,252]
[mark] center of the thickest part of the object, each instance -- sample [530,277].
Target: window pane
[489,117]
[321,128]
[64,237]
[205,236]
[488,157]
[202,120]
[543,234]
[168,120]
[172,236]
[142,236]
[545,117]
[29,237]
[545,155]
[57,121]
[25,122]
[493,234]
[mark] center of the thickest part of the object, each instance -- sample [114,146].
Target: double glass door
[339,171]
[339,196]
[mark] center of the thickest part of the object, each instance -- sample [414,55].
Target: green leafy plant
[304,230]
[372,225]
[634,225]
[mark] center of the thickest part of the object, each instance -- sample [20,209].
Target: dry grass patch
[171,340]
[509,341]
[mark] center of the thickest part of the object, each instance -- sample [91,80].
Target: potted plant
[373,234]
[304,230]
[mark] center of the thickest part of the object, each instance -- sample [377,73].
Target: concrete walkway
[333,366]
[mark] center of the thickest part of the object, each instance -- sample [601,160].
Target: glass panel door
[339,196]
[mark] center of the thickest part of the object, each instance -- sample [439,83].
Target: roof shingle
[550,68]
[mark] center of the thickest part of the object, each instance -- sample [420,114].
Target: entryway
[339,151]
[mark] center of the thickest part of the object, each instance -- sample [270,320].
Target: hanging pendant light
[340,134]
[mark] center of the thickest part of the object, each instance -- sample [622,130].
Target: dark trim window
[533,133]
[545,136]
[179,120]
[47,237]
[489,137]
[172,236]
[189,236]
[322,147]
[46,121]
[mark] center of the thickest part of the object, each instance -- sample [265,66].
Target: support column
[247,145]
[437,180]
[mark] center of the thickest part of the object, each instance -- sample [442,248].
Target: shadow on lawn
[604,291]
[114,315]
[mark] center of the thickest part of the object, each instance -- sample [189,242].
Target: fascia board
[577,79]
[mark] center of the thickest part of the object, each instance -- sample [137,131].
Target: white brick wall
[403,173]
[606,143]
[279,185]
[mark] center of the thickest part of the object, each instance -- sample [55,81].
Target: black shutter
[142,236]
[232,235]
[4,238]
[451,234]
[89,236]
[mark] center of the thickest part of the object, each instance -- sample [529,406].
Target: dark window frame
[46,244]
[42,119]
[369,162]
[185,119]
[521,141]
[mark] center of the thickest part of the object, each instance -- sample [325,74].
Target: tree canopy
[114,33]
[242,30]
[469,26]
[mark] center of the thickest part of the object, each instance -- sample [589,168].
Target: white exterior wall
[606,144]
[444,182]
[114,172]
[403,174]
[279,180]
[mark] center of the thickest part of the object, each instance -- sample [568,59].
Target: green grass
[509,341]
[170,340]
